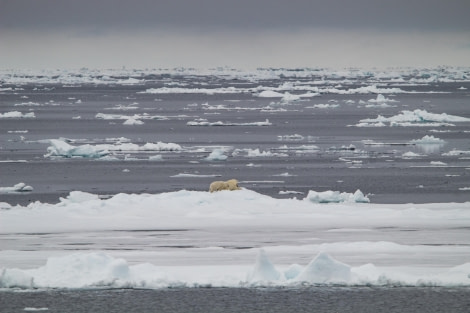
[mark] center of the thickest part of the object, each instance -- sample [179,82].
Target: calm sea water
[236,300]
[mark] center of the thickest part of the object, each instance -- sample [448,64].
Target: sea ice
[414,118]
[20,187]
[330,196]
[381,99]
[264,270]
[324,269]
[60,148]
[428,140]
[217,155]
[205,122]
[17,114]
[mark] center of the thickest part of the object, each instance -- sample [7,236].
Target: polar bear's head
[233,184]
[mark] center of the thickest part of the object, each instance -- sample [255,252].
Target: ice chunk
[263,270]
[20,187]
[270,94]
[16,114]
[410,154]
[381,99]
[428,140]
[217,155]
[60,148]
[204,122]
[133,121]
[415,118]
[324,269]
[15,278]
[330,196]
[79,197]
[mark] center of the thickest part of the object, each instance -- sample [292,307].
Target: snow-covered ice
[323,235]
[297,255]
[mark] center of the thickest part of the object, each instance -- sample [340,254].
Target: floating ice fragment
[428,140]
[16,114]
[414,118]
[133,121]
[410,154]
[204,122]
[295,137]
[158,157]
[60,148]
[330,196]
[381,99]
[20,187]
[217,155]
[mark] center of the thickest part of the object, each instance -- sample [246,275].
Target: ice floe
[217,155]
[99,270]
[428,140]
[330,196]
[241,211]
[20,187]
[17,114]
[417,117]
[205,122]
[60,148]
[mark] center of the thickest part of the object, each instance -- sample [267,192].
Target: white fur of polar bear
[231,184]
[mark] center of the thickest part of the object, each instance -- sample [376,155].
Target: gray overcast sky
[243,33]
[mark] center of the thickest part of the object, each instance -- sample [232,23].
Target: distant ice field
[324,130]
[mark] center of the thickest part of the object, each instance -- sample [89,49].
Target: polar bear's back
[231,184]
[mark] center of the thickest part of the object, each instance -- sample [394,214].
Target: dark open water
[378,170]
[240,300]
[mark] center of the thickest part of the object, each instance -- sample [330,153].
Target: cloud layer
[205,33]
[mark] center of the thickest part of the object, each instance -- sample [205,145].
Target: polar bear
[231,184]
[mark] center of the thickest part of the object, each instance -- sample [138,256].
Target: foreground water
[236,300]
